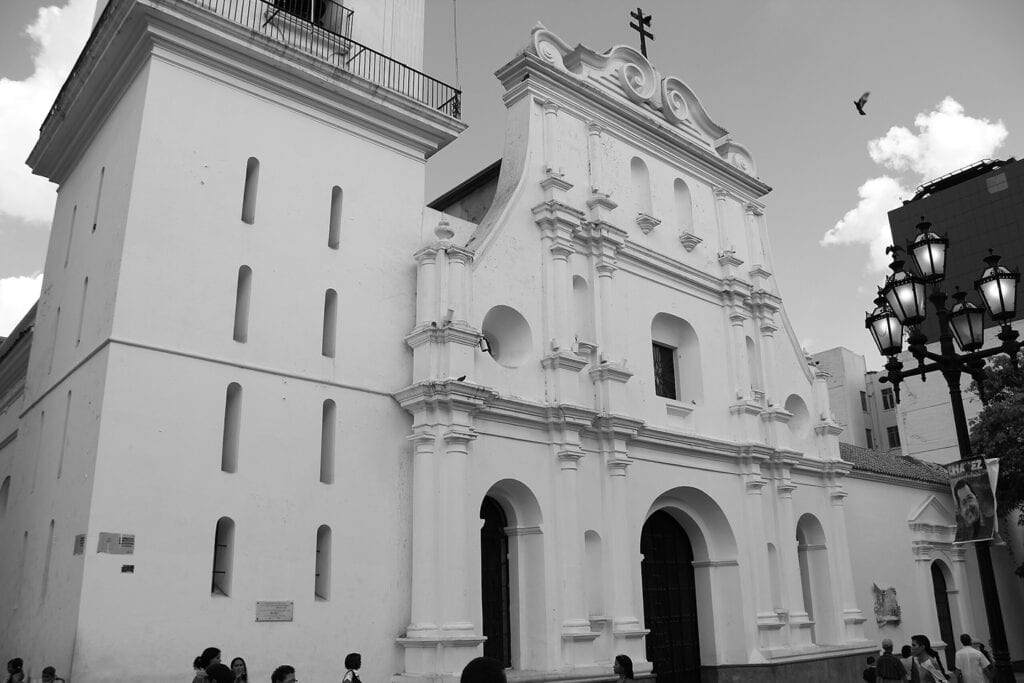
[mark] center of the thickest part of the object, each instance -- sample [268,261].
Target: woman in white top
[926,665]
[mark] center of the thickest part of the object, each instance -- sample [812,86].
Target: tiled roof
[893,464]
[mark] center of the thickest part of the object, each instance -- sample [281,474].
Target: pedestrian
[353,662]
[870,675]
[240,670]
[49,675]
[210,655]
[218,673]
[970,662]
[483,670]
[907,660]
[15,670]
[283,674]
[927,667]
[888,667]
[623,667]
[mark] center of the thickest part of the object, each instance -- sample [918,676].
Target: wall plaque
[274,610]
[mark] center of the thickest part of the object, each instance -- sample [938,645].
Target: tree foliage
[998,431]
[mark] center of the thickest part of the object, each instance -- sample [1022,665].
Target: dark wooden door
[945,618]
[494,582]
[670,600]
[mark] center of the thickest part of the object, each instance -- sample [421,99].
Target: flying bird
[861,102]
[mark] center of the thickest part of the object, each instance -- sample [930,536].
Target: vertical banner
[973,483]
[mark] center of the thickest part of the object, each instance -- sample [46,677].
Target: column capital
[569,459]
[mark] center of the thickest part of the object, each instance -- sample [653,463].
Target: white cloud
[17,294]
[58,34]
[946,140]
[868,223]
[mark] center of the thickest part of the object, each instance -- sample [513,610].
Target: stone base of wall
[841,668]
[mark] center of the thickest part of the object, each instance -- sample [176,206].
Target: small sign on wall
[274,610]
[79,545]
[116,544]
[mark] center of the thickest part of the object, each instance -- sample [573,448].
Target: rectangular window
[888,400]
[322,580]
[894,436]
[864,401]
[867,436]
[664,370]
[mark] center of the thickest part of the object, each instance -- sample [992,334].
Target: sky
[780,75]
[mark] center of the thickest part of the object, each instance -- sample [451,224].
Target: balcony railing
[321,28]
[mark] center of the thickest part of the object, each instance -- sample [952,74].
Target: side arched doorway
[670,600]
[941,590]
[494,582]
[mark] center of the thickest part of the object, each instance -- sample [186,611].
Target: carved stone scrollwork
[550,47]
[673,100]
[637,76]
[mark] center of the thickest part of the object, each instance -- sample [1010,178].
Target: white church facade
[270,401]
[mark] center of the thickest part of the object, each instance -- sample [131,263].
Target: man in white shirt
[970,662]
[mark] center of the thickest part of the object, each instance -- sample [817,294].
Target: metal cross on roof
[642,21]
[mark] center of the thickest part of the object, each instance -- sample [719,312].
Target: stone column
[425,584]
[454,545]
[561,291]
[769,628]
[721,195]
[768,328]
[458,260]
[800,625]
[596,157]
[426,285]
[550,108]
[963,602]
[741,365]
[853,618]
[623,547]
[574,611]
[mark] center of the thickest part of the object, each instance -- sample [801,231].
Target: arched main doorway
[670,600]
[942,610]
[494,582]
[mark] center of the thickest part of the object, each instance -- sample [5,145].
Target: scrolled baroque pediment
[625,72]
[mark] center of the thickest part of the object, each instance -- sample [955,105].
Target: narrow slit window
[81,311]
[252,181]
[243,294]
[5,492]
[330,322]
[327,429]
[53,346]
[71,234]
[223,557]
[322,580]
[64,436]
[99,196]
[232,428]
[46,564]
[334,233]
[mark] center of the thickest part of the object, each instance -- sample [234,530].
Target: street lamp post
[901,304]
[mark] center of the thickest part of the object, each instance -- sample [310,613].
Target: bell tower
[227,287]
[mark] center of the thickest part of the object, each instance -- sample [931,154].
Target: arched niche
[674,340]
